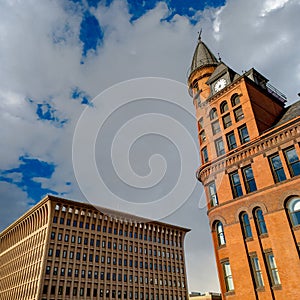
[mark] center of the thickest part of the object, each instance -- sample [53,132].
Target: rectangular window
[227,121]
[202,136]
[227,276]
[219,147]
[213,194]
[215,127]
[204,155]
[292,161]
[259,282]
[249,179]
[277,169]
[243,133]
[236,184]
[200,122]
[272,268]
[238,114]
[231,142]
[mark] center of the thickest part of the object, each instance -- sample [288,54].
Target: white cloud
[270,5]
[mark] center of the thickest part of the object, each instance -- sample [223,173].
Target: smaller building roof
[291,112]
[202,57]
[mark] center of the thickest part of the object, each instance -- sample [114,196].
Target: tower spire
[199,34]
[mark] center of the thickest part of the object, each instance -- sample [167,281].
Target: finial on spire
[219,57]
[199,34]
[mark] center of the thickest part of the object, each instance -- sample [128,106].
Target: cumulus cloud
[47,82]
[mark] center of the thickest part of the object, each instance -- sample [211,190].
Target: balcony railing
[272,90]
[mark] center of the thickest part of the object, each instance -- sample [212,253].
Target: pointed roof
[202,56]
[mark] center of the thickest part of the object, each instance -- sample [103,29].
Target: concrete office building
[61,249]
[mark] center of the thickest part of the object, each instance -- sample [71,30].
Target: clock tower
[250,170]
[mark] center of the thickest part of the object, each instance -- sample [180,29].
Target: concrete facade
[61,249]
[249,147]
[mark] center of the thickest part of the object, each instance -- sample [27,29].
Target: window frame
[213,194]
[291,164]
[219,229]
[256,271]
[294,215]
[219,150]
[245,225]
[272,270]
[229,144]
[215,127]
[204,155]
[224,107]
[233,100]
[213,114]
[237,115]
[275,170]
[227,276]
[250,184]
[226,123]
[260,221]
[236,187]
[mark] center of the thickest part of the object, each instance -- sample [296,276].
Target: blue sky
[57,55]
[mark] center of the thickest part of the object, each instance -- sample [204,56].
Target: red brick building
[249,147]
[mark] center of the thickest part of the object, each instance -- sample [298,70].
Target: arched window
[213,114]
[224,106]
[293,207]
[235,100]
[220,233]
[260,221]
[245,224]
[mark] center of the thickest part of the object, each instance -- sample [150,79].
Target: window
[292,161]
[256,270]
[202,136]
[236,184]
[293,207]
[213,114]
[244,136]
[249,180]
[260,221]
[231,142]
[235,100]
[277,169]
[227,276]
[238,114]
[219,146]
[220,233]
[215,127]
[245,224]
[227,121]
[204,155]
[213,194]
[272,268]
[223,107]
[200,122]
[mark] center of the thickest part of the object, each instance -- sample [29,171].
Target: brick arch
[216,218]
[286,196]
[240,210]
[261,205]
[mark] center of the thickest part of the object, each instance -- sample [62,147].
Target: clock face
[220,84]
